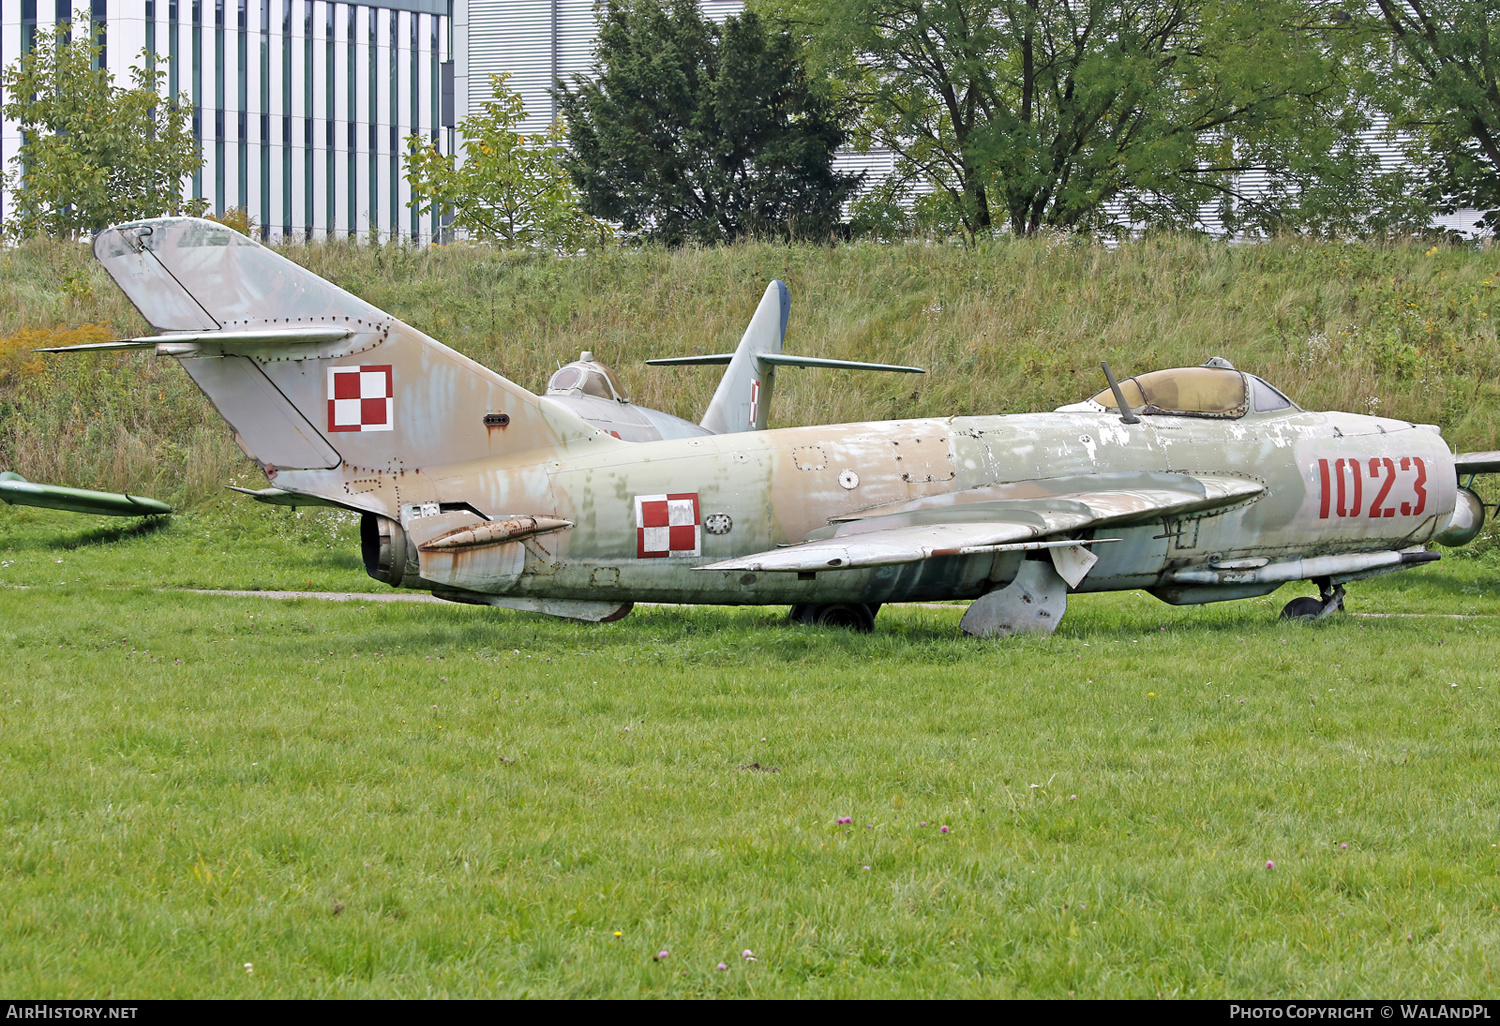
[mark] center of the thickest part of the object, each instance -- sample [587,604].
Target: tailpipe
[389,555]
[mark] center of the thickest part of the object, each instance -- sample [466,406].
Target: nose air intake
[1465,523]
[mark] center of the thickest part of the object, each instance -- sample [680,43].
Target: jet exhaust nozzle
[389,555]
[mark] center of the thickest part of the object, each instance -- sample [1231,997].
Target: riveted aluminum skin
[480,490]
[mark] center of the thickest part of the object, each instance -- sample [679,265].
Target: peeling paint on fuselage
[774,489]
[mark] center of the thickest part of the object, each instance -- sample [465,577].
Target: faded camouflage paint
[470,447]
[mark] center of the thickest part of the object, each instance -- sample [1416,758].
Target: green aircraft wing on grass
[17,491]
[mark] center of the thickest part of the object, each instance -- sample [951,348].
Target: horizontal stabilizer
[788,360]
[103,347]
[784,360]
[181,343]
[17,491]
[712,360]
[282,497]
[1477,463]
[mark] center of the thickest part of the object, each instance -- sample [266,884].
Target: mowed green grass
[377,799]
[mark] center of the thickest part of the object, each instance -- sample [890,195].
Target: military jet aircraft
[1198,484]
[15,490]
[742,401]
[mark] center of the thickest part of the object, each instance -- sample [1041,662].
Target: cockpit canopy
[587,376]
[1196,392]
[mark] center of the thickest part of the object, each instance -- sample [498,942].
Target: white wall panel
[513,36]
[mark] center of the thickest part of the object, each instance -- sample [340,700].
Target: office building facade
[302,107]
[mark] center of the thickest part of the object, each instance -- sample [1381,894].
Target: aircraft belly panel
[677,581]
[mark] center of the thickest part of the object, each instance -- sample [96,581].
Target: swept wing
[976,521]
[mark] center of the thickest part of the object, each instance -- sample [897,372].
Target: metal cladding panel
[577,35]
[718,10]
[441,7]
[513,36]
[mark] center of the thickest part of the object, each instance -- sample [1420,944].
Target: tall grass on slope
[1007,327]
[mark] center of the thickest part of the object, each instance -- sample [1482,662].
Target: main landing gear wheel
[1304,608]
[1330,600]
[855,616]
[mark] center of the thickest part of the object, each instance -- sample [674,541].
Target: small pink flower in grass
[662,954]
[923,823]
[844,819]
[942,829]
[748,955]
[866,868]
[1270,864]
[721,967]
[1343,847]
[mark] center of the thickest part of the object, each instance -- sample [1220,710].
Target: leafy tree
[1443,89]
[92,153]
[1093,114]
[511,189]
[693,131]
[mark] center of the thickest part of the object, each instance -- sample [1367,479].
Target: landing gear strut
[1330,600]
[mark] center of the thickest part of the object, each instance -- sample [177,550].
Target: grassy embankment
[1009,327]
[372,800]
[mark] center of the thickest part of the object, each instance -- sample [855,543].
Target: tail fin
[743,398]
[744,394]
[313,378]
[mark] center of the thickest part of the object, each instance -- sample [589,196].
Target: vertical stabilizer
[312,378]
[744,394]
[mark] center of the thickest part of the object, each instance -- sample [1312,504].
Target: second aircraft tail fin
[743,398]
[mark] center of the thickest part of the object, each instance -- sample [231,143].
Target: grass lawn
[232,797]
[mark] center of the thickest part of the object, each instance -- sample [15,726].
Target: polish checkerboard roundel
[360,398]
[667,525]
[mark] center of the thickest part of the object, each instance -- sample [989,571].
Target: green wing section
[17,491]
